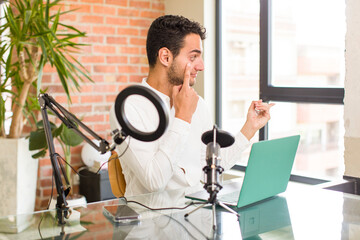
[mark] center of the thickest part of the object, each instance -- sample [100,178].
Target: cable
[81,175]
[113,158]
[157,209]
[170,208]
[52,180]
[97,172]
[48,206]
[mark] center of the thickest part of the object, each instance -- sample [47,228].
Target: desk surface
[301,212]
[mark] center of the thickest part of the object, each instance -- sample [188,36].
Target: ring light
[127,127]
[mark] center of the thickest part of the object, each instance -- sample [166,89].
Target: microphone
[214,140]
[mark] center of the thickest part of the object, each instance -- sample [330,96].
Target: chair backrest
[116,177]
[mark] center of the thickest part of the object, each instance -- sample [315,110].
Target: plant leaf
[47,12]
[40,125]
[57,131]
[40,74]
[28,14]
[37,140]
[40,154]
[69,137]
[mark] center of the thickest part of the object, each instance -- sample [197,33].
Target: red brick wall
[116,56]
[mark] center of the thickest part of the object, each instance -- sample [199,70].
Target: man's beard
[174,77]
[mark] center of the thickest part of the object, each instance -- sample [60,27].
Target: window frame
[267,91]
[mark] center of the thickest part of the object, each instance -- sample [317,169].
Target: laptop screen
[269,168]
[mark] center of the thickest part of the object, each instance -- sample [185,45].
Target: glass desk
[302,212]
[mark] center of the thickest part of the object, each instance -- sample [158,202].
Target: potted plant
[32,35]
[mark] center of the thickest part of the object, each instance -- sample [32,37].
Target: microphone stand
[47,102]
[213,170]
[213,201]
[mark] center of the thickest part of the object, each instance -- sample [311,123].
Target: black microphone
[214,140]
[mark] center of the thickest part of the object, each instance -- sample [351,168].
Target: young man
[175,160]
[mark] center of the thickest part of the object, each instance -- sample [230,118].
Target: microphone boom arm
[70,120]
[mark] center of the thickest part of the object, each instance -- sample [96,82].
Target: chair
[116,177]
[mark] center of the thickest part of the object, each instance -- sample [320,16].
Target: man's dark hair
[170,31]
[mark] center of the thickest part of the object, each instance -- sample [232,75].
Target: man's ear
[165,56]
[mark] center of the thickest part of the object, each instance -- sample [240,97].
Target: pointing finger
[187,75]
[176,90]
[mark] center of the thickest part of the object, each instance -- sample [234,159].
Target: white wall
[352,90]
[203,13]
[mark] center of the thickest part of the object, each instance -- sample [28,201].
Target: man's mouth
[194,75]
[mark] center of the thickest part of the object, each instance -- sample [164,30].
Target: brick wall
[116,56]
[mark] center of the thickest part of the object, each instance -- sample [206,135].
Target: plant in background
[65,136]
[31,37]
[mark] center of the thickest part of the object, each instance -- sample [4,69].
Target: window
[320,152]
[300,46]
[308,43]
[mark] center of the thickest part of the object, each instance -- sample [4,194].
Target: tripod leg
[214,215]
[202,205]
[227,208]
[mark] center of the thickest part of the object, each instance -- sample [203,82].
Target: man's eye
[192,58]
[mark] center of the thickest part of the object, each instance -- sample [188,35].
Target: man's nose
[199,66]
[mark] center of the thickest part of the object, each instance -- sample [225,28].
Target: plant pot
[18,177]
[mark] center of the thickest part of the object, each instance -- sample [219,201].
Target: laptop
[267,173]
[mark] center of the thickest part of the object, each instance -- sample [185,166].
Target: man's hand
[258,115]
[185,98]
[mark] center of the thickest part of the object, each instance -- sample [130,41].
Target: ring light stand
[118,136]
